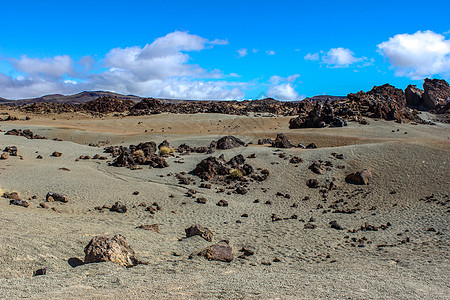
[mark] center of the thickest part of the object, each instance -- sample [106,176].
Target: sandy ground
[314,263]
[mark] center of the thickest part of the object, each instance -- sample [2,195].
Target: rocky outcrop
[25,133]
[114,249]
[104,105]
[413,95]
[436,93]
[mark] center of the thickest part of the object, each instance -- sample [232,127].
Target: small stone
[119,207]
[19,202]
[222,203]
[309,226]
[152,227]
[40,272]
[56,154]
[56,197]
[136,193]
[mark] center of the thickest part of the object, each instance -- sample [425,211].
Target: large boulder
[282,141]
[229,142]
[114,249]
[211,166]
[220,252]
[413,95]
[436,92]
[361,177]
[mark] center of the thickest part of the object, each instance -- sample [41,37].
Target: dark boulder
[229,142]
[282,141]
[197,229]
[413,95]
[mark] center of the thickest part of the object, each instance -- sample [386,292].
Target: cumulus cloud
[339,58]
[312,56]
[270,52]
[419,55]
[158,69]
[242,52]
[281,88]
[56,66]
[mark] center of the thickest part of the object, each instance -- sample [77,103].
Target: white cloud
[159,69]
[255,50]
[56,66]
[281,88]
[340,58]
[312,56]
[418,55]
[270,52]
[242,52]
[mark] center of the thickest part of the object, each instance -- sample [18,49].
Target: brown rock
[197,229]
[119,207]
[282,141]
[316,167]
[312,183]
[219,252]
[56,154]
[222,203]
[361,177]
[19,202]
[152,227]
[56,197]
[436,92]
[114,249]
[229,142]
[4,155]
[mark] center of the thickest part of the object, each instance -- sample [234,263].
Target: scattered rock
[309,226]
[40,272]
[222,203]
[335,225]
[152,227]
[197,229]
[312,183]
[317,167]
[50,197]
[19,202]
[119,207]
[56,154]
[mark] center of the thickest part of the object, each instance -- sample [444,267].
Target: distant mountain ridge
[88,96]
[79,98]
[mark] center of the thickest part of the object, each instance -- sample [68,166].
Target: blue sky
[220,49]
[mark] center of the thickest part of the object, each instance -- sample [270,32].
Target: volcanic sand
[313,263]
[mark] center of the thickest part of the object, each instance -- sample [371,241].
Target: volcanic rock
[229,142]
[281,141]
[119,207]
[50,197]
[436,92]
[360,177]
[220,252]
[197,229]
[114,249]
[211,166]
[152,227]
[19,202]
[413,95]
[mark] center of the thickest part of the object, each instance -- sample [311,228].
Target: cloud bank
[159,69]
[419,55]
[283,88]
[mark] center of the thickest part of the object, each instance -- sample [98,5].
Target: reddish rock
[152,227]
[19,202]
[56,197]
[197,229]
[436,92]
[220,252]
[361,177]
[281,141]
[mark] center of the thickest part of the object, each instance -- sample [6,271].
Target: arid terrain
[390,238]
